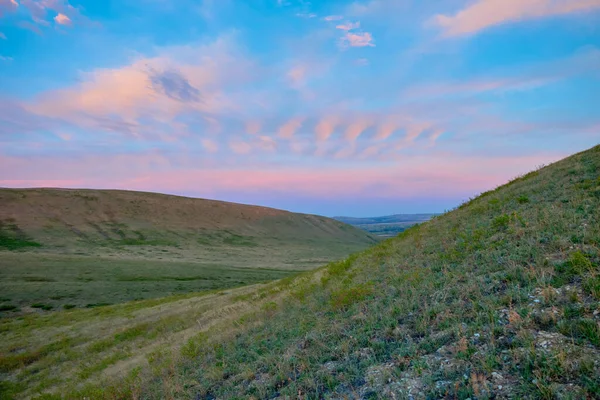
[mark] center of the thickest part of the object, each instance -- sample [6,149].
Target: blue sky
[331,107]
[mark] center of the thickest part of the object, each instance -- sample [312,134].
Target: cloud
[297,75]
[361,62]
[434,136]
[239,146]
[210,145]
[527,77]
[16,120]
[326,126]
[487,13]
[288,129]
[253,127]
[358,39]
[175,86]
[30,26]
[8,6]
[306,15]
[5,58]
[192,80]
[2,36]
[355,129]
[62,19]
[40,13]
[266,143]
[386,129]
[330,18]
[348,26]
[412,175]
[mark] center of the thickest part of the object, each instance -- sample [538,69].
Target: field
[53,282]
[499,298]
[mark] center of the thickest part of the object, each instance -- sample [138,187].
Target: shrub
[523,199]
[346,297]
[501,222]
[42,306]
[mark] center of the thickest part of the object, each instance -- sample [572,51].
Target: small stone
[496,376]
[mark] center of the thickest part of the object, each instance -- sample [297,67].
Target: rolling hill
[80,248]
[499,298]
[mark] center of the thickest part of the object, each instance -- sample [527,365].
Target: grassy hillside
[81,248]
[499,298]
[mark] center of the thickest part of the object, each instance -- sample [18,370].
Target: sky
[357,108]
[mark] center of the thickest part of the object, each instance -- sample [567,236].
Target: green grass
[11,238]
[491,300]
[51,281]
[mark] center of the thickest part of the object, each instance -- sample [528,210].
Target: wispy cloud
[2,36]
[528,77]
[487,13]
[326,126]
[330,18]
[356,128]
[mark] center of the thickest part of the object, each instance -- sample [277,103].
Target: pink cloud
[156,89]
[486,13]
[253,127]
[355,129]
[348,26]
[325,127]
[358,39]
[266,143]
[210,145]
[288,129]
[239,146]
[330,18]
[386,129]
[62,19]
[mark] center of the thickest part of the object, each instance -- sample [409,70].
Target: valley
[497,298]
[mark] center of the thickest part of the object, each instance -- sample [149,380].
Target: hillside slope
[499,298]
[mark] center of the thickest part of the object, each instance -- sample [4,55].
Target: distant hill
[386,226]
[107,246]
[75,220]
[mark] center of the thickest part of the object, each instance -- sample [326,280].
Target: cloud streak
[484,14]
